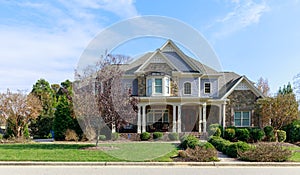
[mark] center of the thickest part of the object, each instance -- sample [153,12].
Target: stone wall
[141,86]
[159,67]
[241,100]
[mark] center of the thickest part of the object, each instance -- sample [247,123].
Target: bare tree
[100,95]
[263,86]
[19,108]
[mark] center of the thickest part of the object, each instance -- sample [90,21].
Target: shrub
[157,135]
[257,134]
[232,149]
[293,131]
[182,138]
[242,134]
[26,132]
[173,136]
[266,153]
[269,132]
[102,137]
[281,135]
[71,135]
[114,136]
[1,136]
[229,134]
[201,154]
[189,142]
[206,145]
[214,130]
[145,136]
[219,143]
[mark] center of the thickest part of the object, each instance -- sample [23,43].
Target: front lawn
[75,152]
[296,153]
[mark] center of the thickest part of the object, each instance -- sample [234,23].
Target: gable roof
[231,85]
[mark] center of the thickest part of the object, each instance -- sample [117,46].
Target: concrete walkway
[224,158]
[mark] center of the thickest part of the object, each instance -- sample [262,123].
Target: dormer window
[207,88]
[158,86]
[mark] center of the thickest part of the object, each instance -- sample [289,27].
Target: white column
[174,119]
[200,119]
[113,127]
[179,119]
[224,114]
[139,120]
[144,119]
[220,114]
[204,117]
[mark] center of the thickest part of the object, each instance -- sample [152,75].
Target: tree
[263,86]
[279,110]
[41,126]
[19,108]
[101,96]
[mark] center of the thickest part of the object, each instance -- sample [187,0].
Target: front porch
[169,116]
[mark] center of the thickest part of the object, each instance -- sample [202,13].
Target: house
[179,94]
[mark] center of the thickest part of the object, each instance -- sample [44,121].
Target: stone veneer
[241,100]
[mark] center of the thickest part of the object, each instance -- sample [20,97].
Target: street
[150,170]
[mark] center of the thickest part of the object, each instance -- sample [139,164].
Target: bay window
[158,86]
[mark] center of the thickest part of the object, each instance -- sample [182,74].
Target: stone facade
[159,67]
[241,100]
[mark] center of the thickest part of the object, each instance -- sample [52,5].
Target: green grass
[296,153]
[73,152]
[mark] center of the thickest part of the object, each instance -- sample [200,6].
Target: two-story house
[179,94]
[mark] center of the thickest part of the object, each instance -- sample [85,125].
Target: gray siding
[195,86]
[214,88]
[133,83]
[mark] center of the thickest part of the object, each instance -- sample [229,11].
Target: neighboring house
[179,94]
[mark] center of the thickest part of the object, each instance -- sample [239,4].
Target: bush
[266,153]
[182,138]
[219,143]
[1,136]
[269,133]
[242,134]
[206,145]
[102,137]
[71,135]
[293,131]
[157,135]
[201,154]
[114,136]
[26,132]
[229,134]
[257,134]
[145,136]
[173,136]
[189,142]
[233,149]
[281,135]
[214,130]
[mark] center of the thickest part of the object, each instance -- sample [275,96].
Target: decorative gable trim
[156,57]
[244,84]
[170,46]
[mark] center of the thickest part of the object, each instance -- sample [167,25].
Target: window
[242,118]
[207,88]
[149,86]
[157,115]
[158,85]
[187,88]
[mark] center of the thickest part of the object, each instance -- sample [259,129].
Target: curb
[205,164]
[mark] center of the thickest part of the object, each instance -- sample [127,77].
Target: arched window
[187,89]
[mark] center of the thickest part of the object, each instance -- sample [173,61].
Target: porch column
[200,119]
[224,114]
[113,127]
[139,120]
[179,119]
[174,119]
[144,119]
[204,117]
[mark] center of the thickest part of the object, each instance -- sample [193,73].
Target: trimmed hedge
[242,134]
[257,134]
[157,135]
[189,141]
[145,136]
[214,130]
[219,143]
[115,136]
[269,133]
[102,137]
[229,134]
[233,148]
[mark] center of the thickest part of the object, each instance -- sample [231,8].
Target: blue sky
[44,39]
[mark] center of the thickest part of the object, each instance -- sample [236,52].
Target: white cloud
[244,14]
[47,39]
